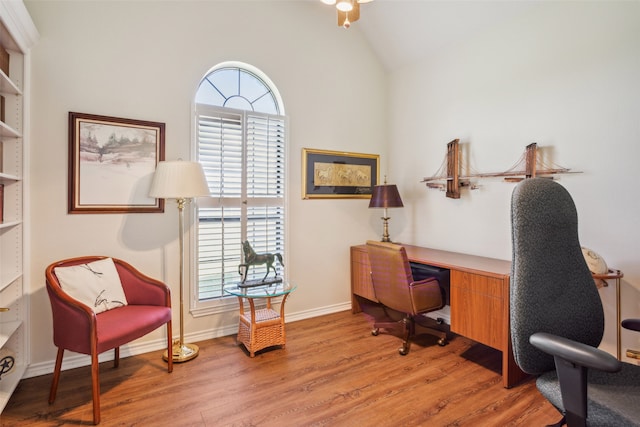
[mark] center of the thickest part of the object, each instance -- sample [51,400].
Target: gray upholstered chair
[403,300]
[557,320]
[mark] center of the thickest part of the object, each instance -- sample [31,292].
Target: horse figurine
[253,258]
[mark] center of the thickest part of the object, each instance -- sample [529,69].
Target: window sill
[217,306]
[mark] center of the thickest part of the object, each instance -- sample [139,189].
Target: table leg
[284,330]
[241,305]
[618,320]
[252,330]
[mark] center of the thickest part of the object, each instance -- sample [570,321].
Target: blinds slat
[243,159]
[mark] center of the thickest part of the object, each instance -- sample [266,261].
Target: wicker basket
[267,331]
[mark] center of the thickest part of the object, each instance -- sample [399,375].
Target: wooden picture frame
[111,164]
[338,175]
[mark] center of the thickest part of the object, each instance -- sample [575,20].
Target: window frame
[228,303]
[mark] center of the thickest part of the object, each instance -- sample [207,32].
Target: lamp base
[182,352]
[385,229]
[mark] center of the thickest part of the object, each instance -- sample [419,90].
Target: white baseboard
[75,360]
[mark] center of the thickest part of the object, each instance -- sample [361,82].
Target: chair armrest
[573,360]
[632,324]
[141,289]
[575,352]
[426,295]
[68,311]
[424,281]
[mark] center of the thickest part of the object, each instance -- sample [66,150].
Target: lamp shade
[344,5]
[385,196]
[178,179]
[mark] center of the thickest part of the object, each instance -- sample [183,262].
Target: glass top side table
[263,327]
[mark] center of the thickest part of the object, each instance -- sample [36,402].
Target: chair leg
[405,328]
[56,376]
[442,335]
[407,334]
[95,387]
[385,322]
[169,347]
[116,357]
[426,326]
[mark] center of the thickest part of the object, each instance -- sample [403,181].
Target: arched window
[240,137]
[240,88]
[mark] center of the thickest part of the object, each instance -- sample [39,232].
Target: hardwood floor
[333,372]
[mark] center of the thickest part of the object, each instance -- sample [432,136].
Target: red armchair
[78,328]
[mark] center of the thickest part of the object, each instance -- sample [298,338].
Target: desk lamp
[385,196]
[180,181]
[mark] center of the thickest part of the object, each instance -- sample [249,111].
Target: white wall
[565,75]
[144,60]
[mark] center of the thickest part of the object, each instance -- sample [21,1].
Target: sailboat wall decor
[530,165]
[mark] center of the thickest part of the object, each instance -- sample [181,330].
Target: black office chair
[557,319]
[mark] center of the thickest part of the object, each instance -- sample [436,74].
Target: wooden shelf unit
[17,35]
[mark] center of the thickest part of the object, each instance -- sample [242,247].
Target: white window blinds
[243,156]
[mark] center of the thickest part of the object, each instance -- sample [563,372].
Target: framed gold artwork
[338,175]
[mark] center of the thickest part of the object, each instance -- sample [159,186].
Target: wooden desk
[479,297]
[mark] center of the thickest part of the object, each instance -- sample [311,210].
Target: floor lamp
[181,181]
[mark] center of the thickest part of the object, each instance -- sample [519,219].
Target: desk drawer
[361,274]
[478,308]
[489,286]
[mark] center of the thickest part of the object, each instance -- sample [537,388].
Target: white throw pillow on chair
[95,284]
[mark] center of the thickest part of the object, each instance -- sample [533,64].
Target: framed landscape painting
[338,175]
[111,164]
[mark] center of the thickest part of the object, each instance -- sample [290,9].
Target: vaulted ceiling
[405,31]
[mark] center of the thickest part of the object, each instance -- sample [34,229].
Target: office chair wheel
[403,351]
[442,342]
[375,332]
